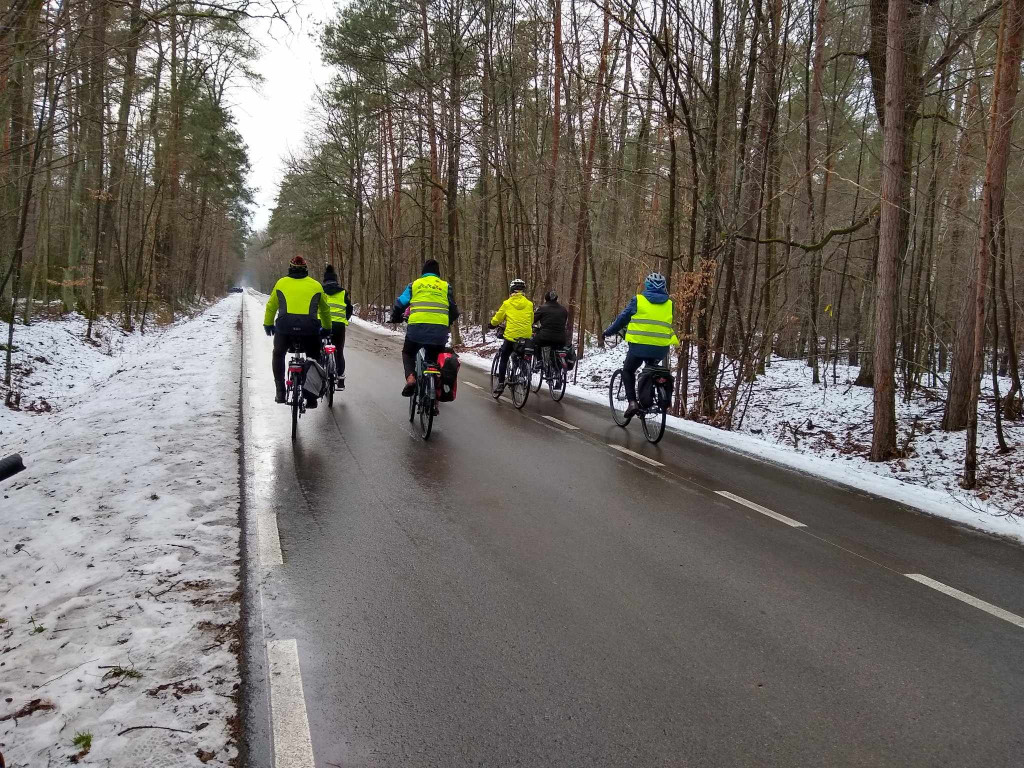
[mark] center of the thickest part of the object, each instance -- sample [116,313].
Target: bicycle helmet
[517,285]
[655,282]
[550,296]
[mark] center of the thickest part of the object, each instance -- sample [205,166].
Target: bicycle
[652,418]
[518,373]
[551,365]
[424,399]
[331,367]
[294,395]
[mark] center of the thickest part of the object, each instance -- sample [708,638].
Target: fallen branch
[36,705]
[157,727]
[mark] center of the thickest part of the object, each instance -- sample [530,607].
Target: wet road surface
[515,592]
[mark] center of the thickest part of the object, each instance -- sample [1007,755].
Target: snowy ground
[825,430]
[119,580]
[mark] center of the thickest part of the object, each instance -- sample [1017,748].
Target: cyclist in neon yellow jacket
[517,314]
[298,312]
[648,323]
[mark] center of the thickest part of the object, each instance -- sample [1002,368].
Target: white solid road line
[560,423]
[474,386]
[969,599]
[293,747]
[763,510]
[636,455]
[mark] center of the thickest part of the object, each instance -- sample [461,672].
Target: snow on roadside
[119,581]
[825,431]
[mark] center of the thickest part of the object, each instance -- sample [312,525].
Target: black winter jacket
[552,318]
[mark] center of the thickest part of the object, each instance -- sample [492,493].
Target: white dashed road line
[763,510]
[269,538]
[560,423]
[636,455]
[293,747]
[969,599]
[471,384]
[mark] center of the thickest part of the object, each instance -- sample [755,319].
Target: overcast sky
[272,118]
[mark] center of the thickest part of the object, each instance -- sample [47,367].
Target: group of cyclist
[301,311]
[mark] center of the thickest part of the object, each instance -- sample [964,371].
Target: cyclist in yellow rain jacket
[432,309]
[298,312]
[648,322]
[341,311]
[517,315]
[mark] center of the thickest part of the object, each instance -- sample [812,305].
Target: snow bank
[119,581]
[825,431]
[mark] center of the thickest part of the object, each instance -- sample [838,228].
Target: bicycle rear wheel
[556,384]
[520,381]
[537,369]
[332,375]
[296,392]
[495,363]
[412,402]
[653,423]
[617,399]
[427,407]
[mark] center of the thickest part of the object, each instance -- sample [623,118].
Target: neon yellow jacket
[297,302]
[517,314]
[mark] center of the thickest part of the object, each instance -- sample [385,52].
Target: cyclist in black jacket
[549,320]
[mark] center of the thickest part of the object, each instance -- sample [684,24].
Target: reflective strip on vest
[337,304]
[652,324]
[429,304]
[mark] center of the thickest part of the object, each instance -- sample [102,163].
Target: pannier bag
[654,387]
[315,384]
[449,364]
[524,347]
[568,354]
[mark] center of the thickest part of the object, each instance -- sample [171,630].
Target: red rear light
[295,369]
[329,348]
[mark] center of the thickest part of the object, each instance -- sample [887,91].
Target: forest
[122,177]
[819,180]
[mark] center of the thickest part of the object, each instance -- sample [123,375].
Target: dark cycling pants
[411,348]
[308,344]
[338,339]
[506,351]
[544,345]
[630,367]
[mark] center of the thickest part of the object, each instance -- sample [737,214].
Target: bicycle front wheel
[537,368]
[427,407]
[617,399]
[653,423]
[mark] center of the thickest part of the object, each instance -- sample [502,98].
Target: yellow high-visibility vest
[429,304]
[338,311]
[652,324]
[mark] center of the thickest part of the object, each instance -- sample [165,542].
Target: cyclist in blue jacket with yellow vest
[648,323]
[432,309]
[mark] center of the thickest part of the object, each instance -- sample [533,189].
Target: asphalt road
[515,592]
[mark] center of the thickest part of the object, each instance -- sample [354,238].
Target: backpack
[654,387]
[315,383]
[449,364]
